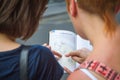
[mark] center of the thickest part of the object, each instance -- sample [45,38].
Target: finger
[49,47]
[78,59]
[56,53]
[84,50]
[67,70]
[57,58]
[80,53]
[46,45]
[73,53]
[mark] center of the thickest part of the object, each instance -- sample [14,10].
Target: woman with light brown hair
[94,20]
[20,19]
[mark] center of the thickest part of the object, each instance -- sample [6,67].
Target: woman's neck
[107,51]
[7,44]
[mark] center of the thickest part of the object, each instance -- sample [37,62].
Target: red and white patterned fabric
[101,69]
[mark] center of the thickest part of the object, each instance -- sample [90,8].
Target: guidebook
[64,41]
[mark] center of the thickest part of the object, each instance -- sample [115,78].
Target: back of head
[20,18]
[106,9]
[99,6]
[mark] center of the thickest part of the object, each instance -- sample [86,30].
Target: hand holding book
[65,42]
[56,54]
[79,55]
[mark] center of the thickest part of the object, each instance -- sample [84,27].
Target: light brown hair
[20,18]
[104,8]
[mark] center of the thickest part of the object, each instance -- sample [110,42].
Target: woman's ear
[72,8]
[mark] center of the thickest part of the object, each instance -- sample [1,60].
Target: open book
[64,41]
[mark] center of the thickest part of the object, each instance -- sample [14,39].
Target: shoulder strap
[90,75]
[101,69]
[24,63]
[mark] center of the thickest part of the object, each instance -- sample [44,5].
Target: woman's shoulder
[42,61]
[81,75]
[38,51]
[37,47]
[78,75]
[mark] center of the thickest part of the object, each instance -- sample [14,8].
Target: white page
[63,42]
[82,43]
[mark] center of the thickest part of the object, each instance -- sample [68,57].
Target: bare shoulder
[78,75]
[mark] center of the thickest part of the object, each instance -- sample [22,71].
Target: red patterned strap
[101,69]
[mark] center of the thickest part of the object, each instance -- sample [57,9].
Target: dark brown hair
[104,8]
[20,18]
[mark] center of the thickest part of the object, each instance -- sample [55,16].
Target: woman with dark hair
[20,19]
[94,20]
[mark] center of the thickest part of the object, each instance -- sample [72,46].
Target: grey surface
[55,9]
[55,1]
[64,77]
[118,17]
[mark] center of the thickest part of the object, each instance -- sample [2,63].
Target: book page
[82,43]
[63,42]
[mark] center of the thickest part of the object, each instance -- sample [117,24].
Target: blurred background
[55,17]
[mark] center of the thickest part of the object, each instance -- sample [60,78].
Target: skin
[105,48]
[79,55]
[4,41]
